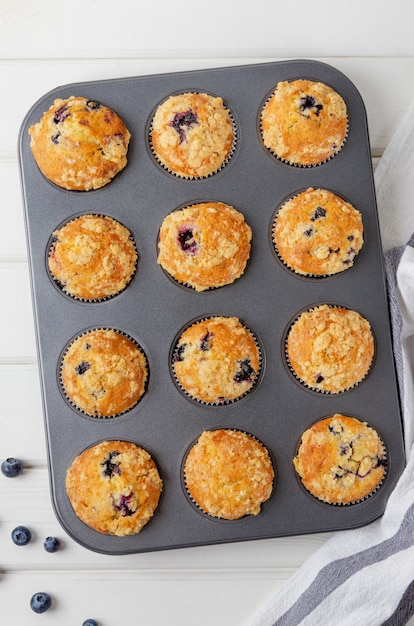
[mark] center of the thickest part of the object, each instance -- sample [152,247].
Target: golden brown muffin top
[92,257]
[192,134]
[330,348]
[79,144]
[217,360]
[318,233]
[304,122]
[340,459]
[114,487]
[229,474]
[104,373]
[205,245]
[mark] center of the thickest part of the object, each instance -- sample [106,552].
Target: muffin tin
[153,309]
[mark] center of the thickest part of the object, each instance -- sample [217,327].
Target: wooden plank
[17,340]
[28,30]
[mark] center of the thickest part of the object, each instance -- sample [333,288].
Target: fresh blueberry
[21,535]
[40,602]
[51,544]
[90,622]
[11,467]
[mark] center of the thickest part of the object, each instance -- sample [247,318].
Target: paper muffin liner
[282,261]
[376,489]
[61,385]
[285,160]
[61,288]
[290,368]
[183,176]
[197,507]
[219,403]
[188,286]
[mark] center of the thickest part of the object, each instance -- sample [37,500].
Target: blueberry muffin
[304,122]
[216,360]
[79,144]
[114,487]
[228,474]
[92,257]
[192,134]
[340,460]
[205,245]
[330,349]
[104,373]
[318,233]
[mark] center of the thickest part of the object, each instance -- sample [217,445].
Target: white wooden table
[43,44]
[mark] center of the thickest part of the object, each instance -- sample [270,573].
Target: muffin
[92,257]
[216,360]
[79,143]
[104,373]
[340,460]
[205,245]
[228,474]
[318,233]
[114,487]
[192,134]
[304,122]
[330,348]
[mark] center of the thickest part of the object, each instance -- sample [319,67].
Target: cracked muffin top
[114,487]
[79,144]
[304,122]
[192,134]
[205,245]
[318,233]
[340,459]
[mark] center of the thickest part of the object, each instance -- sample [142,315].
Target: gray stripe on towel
[336,573]
[404,610]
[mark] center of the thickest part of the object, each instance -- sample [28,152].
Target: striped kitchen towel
[365,576]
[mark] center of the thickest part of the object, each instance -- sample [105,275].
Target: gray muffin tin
[152,309]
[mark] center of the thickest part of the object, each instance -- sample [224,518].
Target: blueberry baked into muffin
[192,134]
[330,348]
[114,487]
[92,257]
[104,373]
[340,459]
[304,122]
[228,474]
[317,233]
[79,144]
[205,245]
[216,360]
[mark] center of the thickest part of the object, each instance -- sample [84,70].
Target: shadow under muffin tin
[152,308]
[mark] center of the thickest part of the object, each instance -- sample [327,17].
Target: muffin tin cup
[152,308]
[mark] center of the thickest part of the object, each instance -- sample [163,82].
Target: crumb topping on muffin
[304,122]
[229,474]
[330,348]
[205,245]
[79,143]
[192,134]
[340,459]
